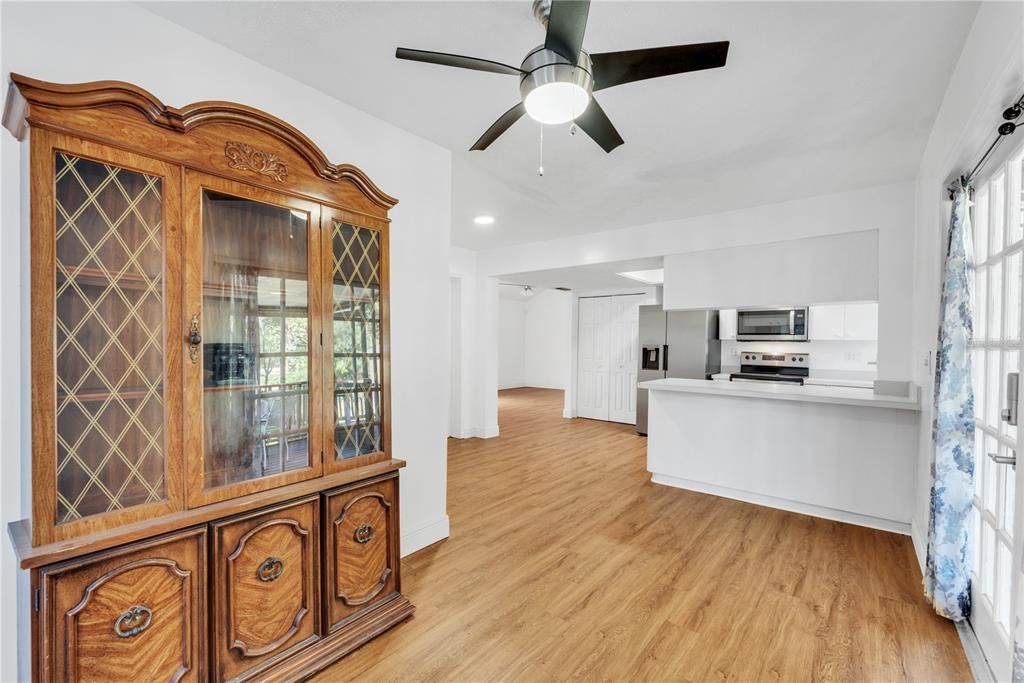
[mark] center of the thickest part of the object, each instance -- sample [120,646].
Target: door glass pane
[109,338]
[997,197]
[1002,598]
[981,303]
[255,339]
[357,340]
[1011,327]
[980,225]
[995,299]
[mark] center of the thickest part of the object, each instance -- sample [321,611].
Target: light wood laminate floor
[566,562]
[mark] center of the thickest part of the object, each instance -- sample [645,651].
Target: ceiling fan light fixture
[554,103]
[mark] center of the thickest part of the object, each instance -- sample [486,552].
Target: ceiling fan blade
[596,124]
[503,123]
[445,59]
[616,68]
[567,22]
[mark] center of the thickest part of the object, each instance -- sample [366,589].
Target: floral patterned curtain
[948,569]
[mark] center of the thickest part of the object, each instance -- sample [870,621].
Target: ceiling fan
[557,79]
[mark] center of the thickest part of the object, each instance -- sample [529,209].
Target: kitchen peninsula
[835,452]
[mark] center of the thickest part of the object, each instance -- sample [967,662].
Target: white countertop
[785,392]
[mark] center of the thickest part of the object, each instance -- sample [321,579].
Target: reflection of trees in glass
[295,335]
[284,341]
[270,334]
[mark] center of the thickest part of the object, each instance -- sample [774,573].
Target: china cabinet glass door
[105,297]
[253,358]
[357,420]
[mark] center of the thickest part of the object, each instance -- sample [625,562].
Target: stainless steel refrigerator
[675,344]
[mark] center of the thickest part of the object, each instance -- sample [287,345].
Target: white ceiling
[817,97]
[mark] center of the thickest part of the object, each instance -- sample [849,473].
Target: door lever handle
[1005,459]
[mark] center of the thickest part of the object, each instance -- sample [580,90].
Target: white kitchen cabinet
[827,322]
[727,324]
[844,322]
[861,322]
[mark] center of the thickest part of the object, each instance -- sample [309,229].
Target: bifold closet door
[607,359]
[623,362]
[593,372]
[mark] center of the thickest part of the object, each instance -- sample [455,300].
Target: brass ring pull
[271,568]
[364,533]
[133,622]
[194,339]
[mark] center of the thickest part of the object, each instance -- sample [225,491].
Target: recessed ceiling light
[484,220]
[648,277]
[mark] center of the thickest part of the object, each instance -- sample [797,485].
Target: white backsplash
[836,359]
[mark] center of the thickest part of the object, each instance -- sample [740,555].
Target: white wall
[534,340]
[548,340]
[791,273]
[511,340]
[85,42]
[987,78]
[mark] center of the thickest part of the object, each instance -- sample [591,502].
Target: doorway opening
[534,344]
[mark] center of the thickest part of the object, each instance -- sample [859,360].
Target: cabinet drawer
[137,612]
[361,549]
[265,587]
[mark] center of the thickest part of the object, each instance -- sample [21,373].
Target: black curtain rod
[1011,114]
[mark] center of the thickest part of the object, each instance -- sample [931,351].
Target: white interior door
[998,240]
[623,336]
[592,374]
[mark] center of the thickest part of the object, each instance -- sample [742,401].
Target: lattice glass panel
[357,340]
[109,338]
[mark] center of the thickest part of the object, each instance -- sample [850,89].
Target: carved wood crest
[245,157]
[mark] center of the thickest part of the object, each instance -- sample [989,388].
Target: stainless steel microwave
[771,324]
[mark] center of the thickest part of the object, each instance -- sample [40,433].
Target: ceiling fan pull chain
[540,171]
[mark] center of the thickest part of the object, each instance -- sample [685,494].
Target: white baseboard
[568,414]
[538,385]
[784,504]
[424,536]
[477,433]
[980,668]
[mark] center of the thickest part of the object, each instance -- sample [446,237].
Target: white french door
[998,245]
[607,358]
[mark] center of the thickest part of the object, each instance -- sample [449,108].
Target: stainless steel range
[772,367]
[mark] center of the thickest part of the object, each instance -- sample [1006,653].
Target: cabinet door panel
[361,555]
[105,310]
[253,379]
[265,591]
[862,322]
[827,322]
[357,418]
[139,610]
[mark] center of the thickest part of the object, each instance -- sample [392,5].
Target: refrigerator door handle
[664,358]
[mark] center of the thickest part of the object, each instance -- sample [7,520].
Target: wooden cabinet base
[247,597]
[325,652]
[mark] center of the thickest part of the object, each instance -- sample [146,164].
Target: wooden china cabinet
[213,492]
